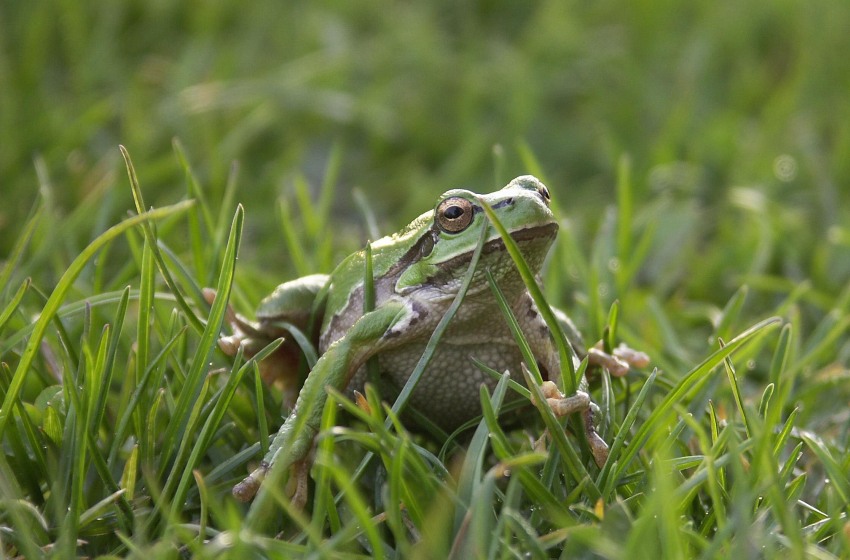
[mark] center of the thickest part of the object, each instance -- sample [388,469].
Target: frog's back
[292,301]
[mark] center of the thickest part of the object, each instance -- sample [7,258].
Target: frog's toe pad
[635,358]
[562,405]
[247,489]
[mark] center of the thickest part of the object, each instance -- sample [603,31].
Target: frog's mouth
[546,232]
[527,237]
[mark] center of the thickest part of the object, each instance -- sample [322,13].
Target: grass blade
[62,289]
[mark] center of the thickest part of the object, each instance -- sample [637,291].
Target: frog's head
[454,228]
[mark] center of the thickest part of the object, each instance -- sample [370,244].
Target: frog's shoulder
[387,251]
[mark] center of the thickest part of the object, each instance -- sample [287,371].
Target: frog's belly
[448,392]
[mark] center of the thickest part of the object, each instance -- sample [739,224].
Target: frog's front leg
[293,442]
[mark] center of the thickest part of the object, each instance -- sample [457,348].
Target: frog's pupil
[453,212]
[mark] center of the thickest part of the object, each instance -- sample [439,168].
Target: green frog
[417,273]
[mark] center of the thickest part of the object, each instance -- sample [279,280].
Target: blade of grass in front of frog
[407,390]
[428,353]
[566,354]
[565,351]
[516,331]
[369,305]
[571,460]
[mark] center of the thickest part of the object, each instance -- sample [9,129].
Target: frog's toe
[230,344]
[635,358]
[598,447]
[620,361]
[299,484]
[247,489]
[615,366]
[229,315]
[564,406]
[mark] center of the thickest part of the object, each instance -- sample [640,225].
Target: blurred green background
[735,116]
[728,119]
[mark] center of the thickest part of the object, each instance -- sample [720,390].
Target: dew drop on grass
[785,168]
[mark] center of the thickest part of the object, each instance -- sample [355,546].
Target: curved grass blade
[16,300]
[688,385]
[61,290]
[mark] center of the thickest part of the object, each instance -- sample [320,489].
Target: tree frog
[417,273]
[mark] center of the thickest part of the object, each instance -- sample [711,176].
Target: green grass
[697,156]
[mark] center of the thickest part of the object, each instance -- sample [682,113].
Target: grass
[697,158]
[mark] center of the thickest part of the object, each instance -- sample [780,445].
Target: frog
[417,272]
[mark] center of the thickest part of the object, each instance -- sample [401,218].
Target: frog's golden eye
[454,214]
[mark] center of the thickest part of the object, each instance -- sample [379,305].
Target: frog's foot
[562,405]
[297,486]
[619,362]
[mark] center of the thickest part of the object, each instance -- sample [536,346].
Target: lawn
[696,153]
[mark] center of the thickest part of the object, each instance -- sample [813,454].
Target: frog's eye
[454,214]
[544,192]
